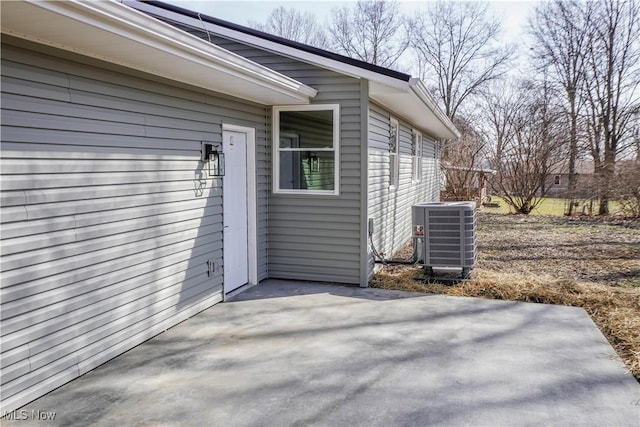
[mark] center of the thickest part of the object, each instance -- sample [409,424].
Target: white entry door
[236,256]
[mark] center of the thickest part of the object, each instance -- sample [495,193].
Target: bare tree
[456,45]
[559,29]
[534,150]
[611,85]
[373,32]
[462,162]
[294,25]
[499,106]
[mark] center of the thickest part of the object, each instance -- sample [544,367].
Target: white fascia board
[116,33]
[421,91]
[271,46]
[416,105]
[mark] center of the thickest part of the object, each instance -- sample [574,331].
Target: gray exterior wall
[324,238]
[107,222]
[391,208]
[312,237]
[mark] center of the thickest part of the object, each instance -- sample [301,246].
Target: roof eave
[421,91]
[277,45]
[414,103]
[121,35]
[403,95]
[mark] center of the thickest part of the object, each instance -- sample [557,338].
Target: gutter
[52,23]
[421,91]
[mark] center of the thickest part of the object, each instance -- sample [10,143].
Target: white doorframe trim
[252,199]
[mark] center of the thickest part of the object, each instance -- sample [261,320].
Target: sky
[513,13]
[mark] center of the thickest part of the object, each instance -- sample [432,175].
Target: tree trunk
[573,152]
[606,180]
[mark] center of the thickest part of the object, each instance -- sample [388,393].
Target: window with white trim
[416,156]
[306,149]
[556,180]
[394,149]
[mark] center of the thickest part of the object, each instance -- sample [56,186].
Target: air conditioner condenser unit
[444,234]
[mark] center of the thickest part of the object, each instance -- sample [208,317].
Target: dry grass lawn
[589,263]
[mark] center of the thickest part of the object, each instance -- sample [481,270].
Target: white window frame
[416,163]
[335,108]
[394,154]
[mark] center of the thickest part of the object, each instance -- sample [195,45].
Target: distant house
[557,181]
[117,219]
[469,182]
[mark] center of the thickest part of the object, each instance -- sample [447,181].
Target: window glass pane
[289,140]
[314,129]
[307,170]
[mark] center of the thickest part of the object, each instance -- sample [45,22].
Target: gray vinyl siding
[391,208]
[107,223]
[313,237]
[318,237]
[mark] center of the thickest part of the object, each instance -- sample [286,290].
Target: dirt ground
[591,250]
[593,263]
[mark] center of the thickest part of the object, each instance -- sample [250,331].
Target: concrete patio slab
[288,353]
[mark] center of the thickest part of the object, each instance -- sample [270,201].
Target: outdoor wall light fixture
[213,158]
[314,163]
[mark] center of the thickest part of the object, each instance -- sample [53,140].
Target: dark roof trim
[270,37]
